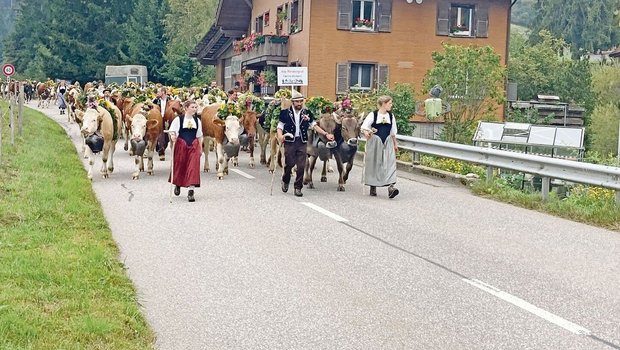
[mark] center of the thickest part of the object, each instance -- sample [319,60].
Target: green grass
[586,206]
[61,284]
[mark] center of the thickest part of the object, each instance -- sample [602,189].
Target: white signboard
[235,65]
[293,76]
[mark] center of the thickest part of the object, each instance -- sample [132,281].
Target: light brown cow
[145,128]
[44,94]
[99,120]
[249,122]
[222,132]
[173,108]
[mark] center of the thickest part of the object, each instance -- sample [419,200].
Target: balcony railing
[267,50]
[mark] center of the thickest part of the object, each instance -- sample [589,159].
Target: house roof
[234,17]
[211,46]
[232,20]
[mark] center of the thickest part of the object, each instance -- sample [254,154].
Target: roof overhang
[232,21]
[234,17]
[211,46]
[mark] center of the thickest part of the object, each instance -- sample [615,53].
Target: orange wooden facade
[406,49]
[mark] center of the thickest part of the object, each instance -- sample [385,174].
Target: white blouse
[381,118]
[187,123]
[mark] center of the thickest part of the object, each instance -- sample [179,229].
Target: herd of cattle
[130,114]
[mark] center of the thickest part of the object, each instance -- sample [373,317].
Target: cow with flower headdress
[342,122]
[267,125]
[220,123]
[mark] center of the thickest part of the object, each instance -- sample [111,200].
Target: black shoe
[373,191]
[298,192]
[190,196]
[284,187]
[177,190]
[392,191]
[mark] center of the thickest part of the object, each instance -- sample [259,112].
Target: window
[461,20]
[258,28]
[296,18]
[363,13]
[361,76]
[266,19]
[366,15]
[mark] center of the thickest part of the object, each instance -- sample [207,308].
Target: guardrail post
[416,158]
[546,182]
[618,197]
[489,174]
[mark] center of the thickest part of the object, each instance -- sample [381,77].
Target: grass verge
[62,284]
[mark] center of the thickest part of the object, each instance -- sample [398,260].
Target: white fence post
[11,121]
[1,123]
[20,116]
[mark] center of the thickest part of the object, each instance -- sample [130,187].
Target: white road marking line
[572,327]
[244,174]
[324,212]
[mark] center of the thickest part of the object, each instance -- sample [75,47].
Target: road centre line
[552,318]
[324,212]
[242,173]
[546,315]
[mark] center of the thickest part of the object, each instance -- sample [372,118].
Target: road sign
[8,69]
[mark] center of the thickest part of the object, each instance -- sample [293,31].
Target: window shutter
[342,78]
[382,74]
[300,14]
[482,21]
[443,18]
[345,11]
[385,15]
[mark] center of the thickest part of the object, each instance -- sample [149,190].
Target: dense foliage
[587,26]
[472,79]
[76,39]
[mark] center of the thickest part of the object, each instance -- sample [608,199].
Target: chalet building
[348,44]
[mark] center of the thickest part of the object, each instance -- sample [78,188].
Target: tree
[606,114]
[472,79]
[587,26]
[143,42]
[71,39]
[185,25]
[543,68]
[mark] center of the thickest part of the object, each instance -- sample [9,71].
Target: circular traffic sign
[8,69]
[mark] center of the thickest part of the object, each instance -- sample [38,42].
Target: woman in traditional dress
[186,136]
[62,88]
[380,130]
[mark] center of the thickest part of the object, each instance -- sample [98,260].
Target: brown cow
[44,94]
[345,128]
[173,108]
[222,132]
[249,122]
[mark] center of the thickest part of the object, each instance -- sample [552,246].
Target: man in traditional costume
[293,128]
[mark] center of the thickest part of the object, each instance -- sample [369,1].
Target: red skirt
[186,164]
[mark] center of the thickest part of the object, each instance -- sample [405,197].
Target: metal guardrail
[547,168]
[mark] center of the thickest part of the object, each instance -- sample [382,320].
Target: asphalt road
[434,268]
